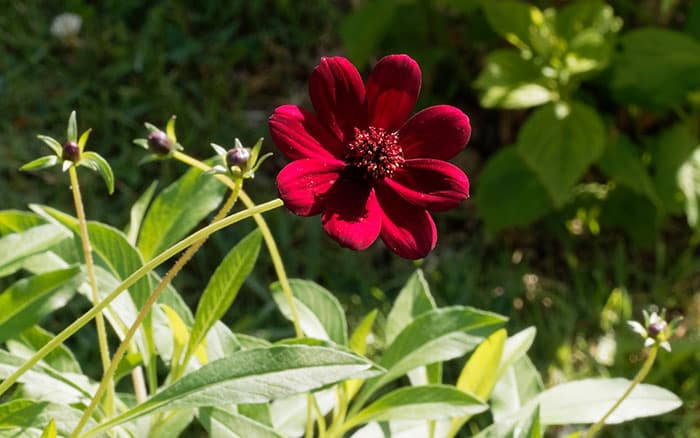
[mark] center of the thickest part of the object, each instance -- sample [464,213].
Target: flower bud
[238,157]
[159,143]
[71,152]
[656,328]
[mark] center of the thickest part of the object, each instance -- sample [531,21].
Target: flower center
[374,153]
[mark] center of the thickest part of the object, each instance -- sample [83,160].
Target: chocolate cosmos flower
[360,163]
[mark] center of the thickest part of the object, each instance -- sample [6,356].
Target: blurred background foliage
[584,159]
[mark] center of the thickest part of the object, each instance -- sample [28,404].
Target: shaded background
[576,270]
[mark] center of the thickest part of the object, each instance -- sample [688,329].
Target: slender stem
[174,270]
[267,236]
[309,416]
[90,267]
[641,375]
[130,281]
[139,385]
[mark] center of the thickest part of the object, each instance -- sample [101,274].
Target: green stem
[90,267]
[176,268]
[267,236]
[130,281]
[641,375]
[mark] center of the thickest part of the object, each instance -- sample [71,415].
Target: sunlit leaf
[100,165]
[17,247]
[40,163]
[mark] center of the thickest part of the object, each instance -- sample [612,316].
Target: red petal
[435,185]
[298,134]
[407,230]
[302,184]
[351,214]
[392,91]
[338,94]
[440,131]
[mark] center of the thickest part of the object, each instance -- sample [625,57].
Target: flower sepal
[656,330]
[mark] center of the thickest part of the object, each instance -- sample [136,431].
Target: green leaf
[138,211]
[413,300]
[171,425]
[673,147]
[82,141]
[251,376]
[587,400]
[515,347]
[50,430]
[43,383]
[16,221]
[28,301]
[358,340]
[72,131]
[622,163]
[374,18]
[223,287]
[429,402]
[689,183]
[560,149]
[526,424]
[17,247]
[669,60]
[320,313]
[510,81]
[29,418]
[479,376]
[509,193]
[512,20]
[177,209]
[519,384]
[40,163]
[52,143]
[434,336]
[33,339]
[95,162]
[221,423]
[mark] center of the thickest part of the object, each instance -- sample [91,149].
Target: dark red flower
[360,163]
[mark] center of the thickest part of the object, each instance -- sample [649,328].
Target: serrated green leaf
[321,314]
[587,400]
[510,81]
[512,20]
[560,149]
[520,202]
[225,424]
[223,287]
[40,163]
[177,209]
[52,143]
[72,131]
[413,300]
[621,162]
[99,164]
[251,376]
[28,301]
[17,247]
[670,61]
[429,402]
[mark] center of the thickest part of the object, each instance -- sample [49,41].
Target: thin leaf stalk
[641,375]
[174,270]
[90,268]
[149,266]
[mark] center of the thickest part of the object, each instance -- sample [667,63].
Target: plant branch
[641,375]
[90,268]
[130,281]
